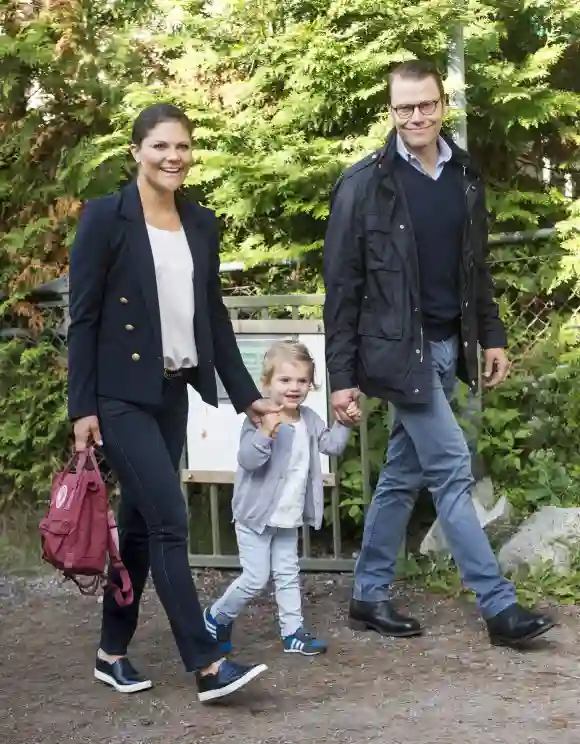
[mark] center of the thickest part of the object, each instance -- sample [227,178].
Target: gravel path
[447,687]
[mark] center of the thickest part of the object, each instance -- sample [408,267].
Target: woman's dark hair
[151,116]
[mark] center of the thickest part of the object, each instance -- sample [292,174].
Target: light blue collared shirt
[445,155]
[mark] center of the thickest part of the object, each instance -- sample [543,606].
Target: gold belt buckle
[171,373]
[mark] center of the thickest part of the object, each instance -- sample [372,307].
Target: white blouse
[174,274]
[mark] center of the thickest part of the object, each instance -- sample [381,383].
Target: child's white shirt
[289,512]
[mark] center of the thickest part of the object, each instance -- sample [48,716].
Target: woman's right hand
[87,432]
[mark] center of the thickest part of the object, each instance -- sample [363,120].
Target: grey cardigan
[263,463]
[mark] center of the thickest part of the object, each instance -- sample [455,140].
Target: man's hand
[87,432]
[497,367]
[270,425]
[260,408]
[340,401]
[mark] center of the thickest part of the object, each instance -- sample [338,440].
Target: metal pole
[456,79]
[522,236]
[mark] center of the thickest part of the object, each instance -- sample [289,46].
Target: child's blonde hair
[287,351]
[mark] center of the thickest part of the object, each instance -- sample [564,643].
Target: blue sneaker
[303,642]
[222,633]
[229,678]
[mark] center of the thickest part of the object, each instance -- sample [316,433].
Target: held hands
[270,425]
[345,406]
[265,415]
[87,432]
[261,408]
[354,412]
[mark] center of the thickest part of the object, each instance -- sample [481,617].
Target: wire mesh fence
[534,303]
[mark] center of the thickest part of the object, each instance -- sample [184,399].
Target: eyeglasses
[406,110]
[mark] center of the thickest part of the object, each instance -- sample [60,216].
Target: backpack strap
[88,588]
[124,593]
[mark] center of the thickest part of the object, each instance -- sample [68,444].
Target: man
[408,298]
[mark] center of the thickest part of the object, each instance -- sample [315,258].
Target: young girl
[278,488]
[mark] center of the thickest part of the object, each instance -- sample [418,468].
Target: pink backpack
[79,530]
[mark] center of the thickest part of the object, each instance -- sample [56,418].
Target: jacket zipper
[465,232]
[416,269]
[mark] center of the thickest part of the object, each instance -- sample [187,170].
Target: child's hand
[354,412]
[270,424]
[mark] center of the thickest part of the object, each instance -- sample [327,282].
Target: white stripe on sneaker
[108,679]
[296,646]
[209,626]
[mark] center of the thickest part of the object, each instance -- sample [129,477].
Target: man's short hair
[418,69]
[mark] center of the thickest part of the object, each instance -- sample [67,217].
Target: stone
[549,535]
[484,493]
[487,513]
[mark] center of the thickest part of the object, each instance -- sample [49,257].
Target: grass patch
[20,551]
[538,585]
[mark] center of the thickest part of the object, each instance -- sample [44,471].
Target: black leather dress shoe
[516,625]
[383,618]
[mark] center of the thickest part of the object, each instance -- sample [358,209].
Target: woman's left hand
[261,407]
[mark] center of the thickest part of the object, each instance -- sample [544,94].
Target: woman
[146,319]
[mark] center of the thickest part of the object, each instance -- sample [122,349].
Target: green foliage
[352,477]
[542,583]
[33,429]
[20,550]
[65,68]
[284,95]
[530,430]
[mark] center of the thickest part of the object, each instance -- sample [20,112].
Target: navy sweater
[437,211]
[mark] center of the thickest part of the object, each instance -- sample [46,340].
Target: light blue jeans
[427,447]
[273,552]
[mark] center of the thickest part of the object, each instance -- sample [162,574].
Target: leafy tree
[284,95]
[65,68]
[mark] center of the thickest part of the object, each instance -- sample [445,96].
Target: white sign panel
[213,434]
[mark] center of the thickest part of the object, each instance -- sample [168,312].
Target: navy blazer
[114,337]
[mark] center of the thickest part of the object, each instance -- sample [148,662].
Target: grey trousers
[427,447]
[274,552]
